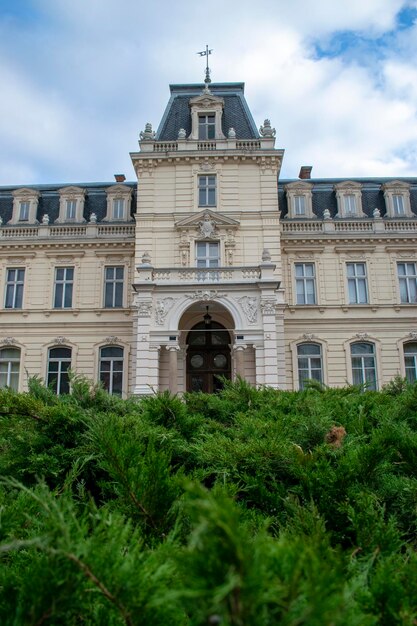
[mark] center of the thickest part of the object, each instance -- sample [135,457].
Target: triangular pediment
[217,219]
[206,101]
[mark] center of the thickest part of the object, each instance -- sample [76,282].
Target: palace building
[209,265]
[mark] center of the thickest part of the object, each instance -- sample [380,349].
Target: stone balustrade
[67,231]
[347,227]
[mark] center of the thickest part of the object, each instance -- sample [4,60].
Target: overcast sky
[80,78]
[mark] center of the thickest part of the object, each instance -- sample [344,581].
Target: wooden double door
[208,357]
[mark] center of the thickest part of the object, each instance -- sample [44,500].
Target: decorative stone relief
[112,339]
[8,341]
[162,309]
[268,307]
[413,334]
[207,166]
[207,227]
[266,256]
[309,336]
[206,294]
[144,308]
[60,340]
[362,336]
[249,305]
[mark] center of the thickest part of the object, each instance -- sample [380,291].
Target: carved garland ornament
[249,305]
[206,294]
[162,309]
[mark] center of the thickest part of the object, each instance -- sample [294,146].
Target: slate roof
[324,196]
[95,200]
[236,112]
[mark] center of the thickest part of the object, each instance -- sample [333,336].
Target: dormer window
[349,205]
[299,199]
[25,206]
[349,199]
[71,205]
[119,209]
[71,210]
[206,117]
[119,198]
[397,198]
[207,126]
[299,206]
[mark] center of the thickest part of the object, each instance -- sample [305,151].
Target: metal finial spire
[205,53]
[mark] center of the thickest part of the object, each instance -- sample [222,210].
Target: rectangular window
[24,211]
[207,126]
[111,369]
[71,210]
[206,191]
[9,368]
[305,282]
[410,361]
[398,205]
[15,278]
[407,276]
[118,209]
[64,281]
[299,205]
[357,283]
[207,254]
[113,287]
[350,205]
[59,363]
[309,363]
[363,364]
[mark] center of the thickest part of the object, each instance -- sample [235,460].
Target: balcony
[67,231]
[171,276]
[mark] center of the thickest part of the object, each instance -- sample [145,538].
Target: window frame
[111,284]
[412,355]
[363,368]
[394,189]
[67,284]
[407,280]
[206,187]
[111,371]
[118,208]
[207,257]
[309,358]
[25,206]
[208,128]
[355,279]
[21,196]
[62,374]
[344,190]
[74,196]
[10,362]
[304,280]
[16,286]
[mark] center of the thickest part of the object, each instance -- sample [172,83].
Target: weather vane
[205,53]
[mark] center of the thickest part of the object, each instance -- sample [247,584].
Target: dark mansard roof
[236,112]
[324,194]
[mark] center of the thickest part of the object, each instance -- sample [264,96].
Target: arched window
[59,362]
[410,361]
[363,364]
[310,364]
[9,367]
[111,369]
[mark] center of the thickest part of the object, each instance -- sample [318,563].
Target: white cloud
[84,80]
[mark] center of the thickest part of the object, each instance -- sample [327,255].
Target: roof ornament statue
[182,134]
[207,80]
[148,134]
[266,130]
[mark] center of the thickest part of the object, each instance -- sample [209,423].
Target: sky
[80,78]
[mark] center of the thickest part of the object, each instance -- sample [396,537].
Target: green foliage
[246,507]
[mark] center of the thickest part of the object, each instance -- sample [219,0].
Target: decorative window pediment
[25,206]
[397,198]
[206,117]
[119,199]
[71,205]
[299,199]
[349,199]
[206,220]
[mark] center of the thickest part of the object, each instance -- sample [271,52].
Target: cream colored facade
[303,280]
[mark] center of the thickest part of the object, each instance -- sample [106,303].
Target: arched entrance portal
[208,356]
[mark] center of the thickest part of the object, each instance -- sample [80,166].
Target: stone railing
[210,145]
[206,275]
[70,231]
[249,144]
[348,226]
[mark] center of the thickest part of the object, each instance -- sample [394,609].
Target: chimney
[120,178]
[305,172]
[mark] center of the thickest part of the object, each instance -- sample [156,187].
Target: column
[173,368]
[239,359]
